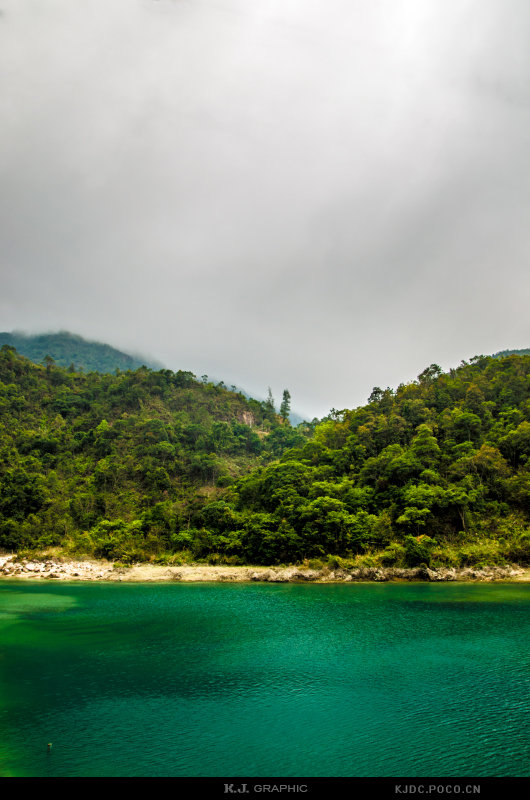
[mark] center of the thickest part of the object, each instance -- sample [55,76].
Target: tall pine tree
[286,405]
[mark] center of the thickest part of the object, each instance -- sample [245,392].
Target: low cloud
[323,196]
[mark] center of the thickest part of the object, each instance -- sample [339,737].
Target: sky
[318,195]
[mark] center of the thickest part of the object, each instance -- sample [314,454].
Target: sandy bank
[27,569]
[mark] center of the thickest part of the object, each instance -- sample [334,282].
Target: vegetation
[159,465]
[123,465]
[67,350]
[436,472]
[504,353]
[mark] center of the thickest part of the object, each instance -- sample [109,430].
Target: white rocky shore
[55,569]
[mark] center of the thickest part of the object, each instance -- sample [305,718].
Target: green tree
[286,405]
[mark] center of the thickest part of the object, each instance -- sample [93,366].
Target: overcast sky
[319,195]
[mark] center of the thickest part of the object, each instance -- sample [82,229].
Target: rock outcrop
[12,567]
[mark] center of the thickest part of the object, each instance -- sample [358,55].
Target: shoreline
[101,570]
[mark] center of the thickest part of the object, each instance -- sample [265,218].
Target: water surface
[264,680]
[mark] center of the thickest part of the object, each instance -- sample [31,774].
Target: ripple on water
[257,680]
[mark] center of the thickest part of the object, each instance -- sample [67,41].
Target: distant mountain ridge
[88,356]
[154,465]
[68,348]
[79,449]
[505,353]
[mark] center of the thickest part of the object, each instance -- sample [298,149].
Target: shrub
[518,549]
[418,550]
[481,553]
[392,555]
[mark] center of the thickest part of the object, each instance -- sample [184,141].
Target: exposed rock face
[10,567]
[305,575]
[442,574]
[247,418]
[71,570]
[260,576]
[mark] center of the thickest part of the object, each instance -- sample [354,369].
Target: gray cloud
[323,196]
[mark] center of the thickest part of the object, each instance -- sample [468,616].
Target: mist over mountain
[324,202]
[145,464]
[79,448]
[505,353]
[68,348]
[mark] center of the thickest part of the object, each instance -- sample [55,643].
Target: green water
[264,680]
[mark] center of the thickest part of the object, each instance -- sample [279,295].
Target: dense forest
[163,466]
[68,349]
[122,465]
[503,353]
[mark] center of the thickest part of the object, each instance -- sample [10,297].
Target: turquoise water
[264,680]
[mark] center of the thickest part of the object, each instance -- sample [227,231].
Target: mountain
[88,356]
[122,465]
[436,472]
[294,418]
[505,353]
[158,465]
[67,348]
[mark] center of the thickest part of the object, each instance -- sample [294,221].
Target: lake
[213,679]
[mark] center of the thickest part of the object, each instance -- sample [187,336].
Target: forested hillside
[435,472]
[67,350]
[504,353]
[160,465]
[121,465]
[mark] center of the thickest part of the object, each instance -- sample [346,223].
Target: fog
[319,195]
